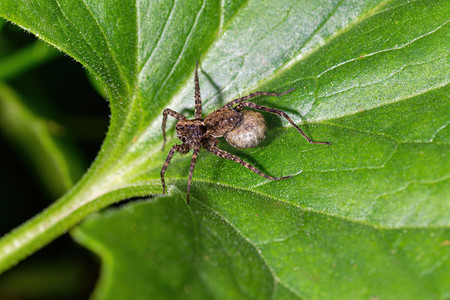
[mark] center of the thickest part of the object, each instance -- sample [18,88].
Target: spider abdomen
[249,132]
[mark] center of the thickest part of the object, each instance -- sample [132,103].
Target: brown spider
[241,129]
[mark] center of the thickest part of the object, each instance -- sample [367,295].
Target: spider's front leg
[174,114]
[183,149]
[198,98]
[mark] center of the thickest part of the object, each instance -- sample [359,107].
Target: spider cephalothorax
[241,129]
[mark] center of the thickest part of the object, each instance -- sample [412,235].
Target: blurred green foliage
[45,143]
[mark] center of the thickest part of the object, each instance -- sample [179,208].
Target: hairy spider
[241,129]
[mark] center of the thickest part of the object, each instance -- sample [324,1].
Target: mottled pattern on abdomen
[249,132]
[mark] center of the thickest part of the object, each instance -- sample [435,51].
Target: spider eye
[180,127]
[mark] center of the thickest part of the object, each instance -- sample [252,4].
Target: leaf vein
[161,33]
[384,50]
[275,278]
[183,49]
[108,45]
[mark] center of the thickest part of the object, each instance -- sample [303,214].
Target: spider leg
[219,152]
[280,113]
[174,114]
[252,95]
[198,99]
[191,170]
[183,149]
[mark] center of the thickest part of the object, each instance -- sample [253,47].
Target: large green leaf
[260,248]
[366,217]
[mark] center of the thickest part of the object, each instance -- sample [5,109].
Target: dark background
[62,270]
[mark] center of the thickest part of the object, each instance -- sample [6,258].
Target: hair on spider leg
[240,128]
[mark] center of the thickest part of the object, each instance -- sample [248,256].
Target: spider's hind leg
[221,153]
[278,112]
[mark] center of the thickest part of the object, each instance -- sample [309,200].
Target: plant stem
[51,223]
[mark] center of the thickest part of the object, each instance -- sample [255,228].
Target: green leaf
[259,247]
[367,217]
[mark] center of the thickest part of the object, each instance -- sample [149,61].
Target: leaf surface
[367,217]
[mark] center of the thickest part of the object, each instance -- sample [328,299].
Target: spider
[241,129]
